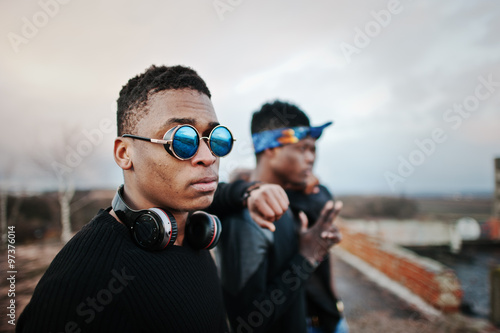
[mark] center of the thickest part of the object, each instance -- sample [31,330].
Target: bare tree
[60,161]
[66,193]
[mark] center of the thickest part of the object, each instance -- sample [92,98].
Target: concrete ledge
[419,280]
[385,282]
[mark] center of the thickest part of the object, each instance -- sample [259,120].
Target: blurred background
[413,88]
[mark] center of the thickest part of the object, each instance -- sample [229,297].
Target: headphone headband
[126,214]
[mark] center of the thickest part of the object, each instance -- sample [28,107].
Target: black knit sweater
[102,282]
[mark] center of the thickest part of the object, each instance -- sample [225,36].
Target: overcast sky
[412,86]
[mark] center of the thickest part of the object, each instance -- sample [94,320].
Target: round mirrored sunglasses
[183,141]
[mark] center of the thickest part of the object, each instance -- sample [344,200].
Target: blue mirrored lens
[221,141]
[185,142]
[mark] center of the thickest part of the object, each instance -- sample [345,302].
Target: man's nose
[310,157]
[204,155]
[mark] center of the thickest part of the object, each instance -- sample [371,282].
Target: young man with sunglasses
[264,274]
[134,267]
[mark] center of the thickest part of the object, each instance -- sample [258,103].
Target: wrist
[313,262]
[254,186]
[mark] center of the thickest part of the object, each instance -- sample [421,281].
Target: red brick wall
[492,228]
[434,283]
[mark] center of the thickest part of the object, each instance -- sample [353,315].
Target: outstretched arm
[228,198]
[265,202]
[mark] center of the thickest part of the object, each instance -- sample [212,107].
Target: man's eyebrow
[189,121]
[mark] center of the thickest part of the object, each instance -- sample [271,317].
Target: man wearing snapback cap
[264,274]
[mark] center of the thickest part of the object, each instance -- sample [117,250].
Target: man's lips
[307,172]
[206,184]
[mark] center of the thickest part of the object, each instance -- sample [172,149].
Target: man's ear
[122,153]
[270,152]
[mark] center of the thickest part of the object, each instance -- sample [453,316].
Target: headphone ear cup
[155,229]
[152,229]
[203,230]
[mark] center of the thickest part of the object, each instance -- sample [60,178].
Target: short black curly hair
[278,114]
[132,103]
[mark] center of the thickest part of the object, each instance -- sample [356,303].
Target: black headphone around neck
[155,229]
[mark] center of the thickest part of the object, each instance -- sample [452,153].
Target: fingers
[338,207]
[326,213]
[325,226]
[303,221]
[278,196]
[269,201]
[267,207]
[334,236]
[263,223]
[328,235]
[330,212]
[283,197]
[327,207]
[267,204]
[336,210]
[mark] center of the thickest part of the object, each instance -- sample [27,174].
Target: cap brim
[318,130]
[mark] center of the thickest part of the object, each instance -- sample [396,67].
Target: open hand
[316,241]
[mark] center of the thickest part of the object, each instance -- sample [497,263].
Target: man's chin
[297,185]
[202,202]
